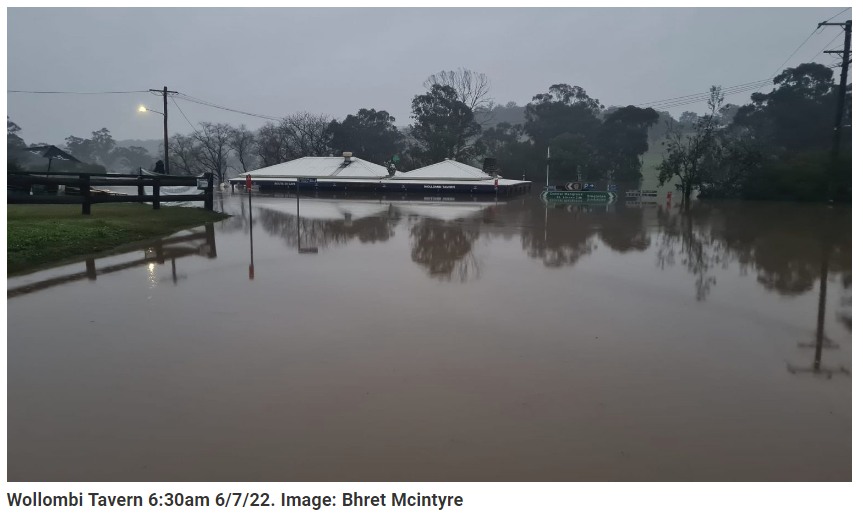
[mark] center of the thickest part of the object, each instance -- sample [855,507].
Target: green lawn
[38,235]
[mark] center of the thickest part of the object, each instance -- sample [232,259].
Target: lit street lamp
[143,109]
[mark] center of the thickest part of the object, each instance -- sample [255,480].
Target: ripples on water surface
[440,340]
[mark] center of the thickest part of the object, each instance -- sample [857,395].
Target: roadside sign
[612,187]
[202,183]
[248,181]
[599,197]
[635,193]
[308,180]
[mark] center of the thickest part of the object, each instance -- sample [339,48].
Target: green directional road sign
[595,197]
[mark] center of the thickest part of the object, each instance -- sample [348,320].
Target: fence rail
[84,182]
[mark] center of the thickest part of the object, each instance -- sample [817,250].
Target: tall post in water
[547,162]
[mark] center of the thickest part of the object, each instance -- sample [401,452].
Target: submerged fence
[19,186]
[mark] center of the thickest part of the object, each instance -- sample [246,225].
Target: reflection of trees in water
[561,239]
[445,249]
[781,243]
[687,238]
[843,315]
[623,230]
[784,243]
[322,233]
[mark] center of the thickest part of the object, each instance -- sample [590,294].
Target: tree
[213,141]
[687,157]
[13,141]
[370,134]
[798,113]
[623,140]
[573,154]
[495,140]
[82,149]
[564,109]
[471,88]
[306,134]
[271,145]
[95,150]
[241,141]
[103,144]
[132,157]
[688,118]
[444,126]
[185,152]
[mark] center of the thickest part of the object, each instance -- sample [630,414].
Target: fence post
[156,195]
[141,185]
[208,193]
[85,192]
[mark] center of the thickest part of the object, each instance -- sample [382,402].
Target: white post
[547,159]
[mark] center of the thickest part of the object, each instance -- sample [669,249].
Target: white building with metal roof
[323,167]
[349,173]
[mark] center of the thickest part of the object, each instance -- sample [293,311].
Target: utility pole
[840,105]
[164,91]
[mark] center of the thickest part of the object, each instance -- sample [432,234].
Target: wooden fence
[20,184]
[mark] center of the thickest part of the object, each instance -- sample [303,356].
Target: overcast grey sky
[337,60]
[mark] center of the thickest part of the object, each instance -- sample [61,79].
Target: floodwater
[435,340]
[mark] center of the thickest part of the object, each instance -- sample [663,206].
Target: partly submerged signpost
[594,197]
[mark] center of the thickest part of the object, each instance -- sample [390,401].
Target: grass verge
[38,235]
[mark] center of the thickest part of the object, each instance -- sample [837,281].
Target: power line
[78,93]
[184,115]
[825,47]
[837,14]
[704,97]
[792,55]
[699,95]
[191,99]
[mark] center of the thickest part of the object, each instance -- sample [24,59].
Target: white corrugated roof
[321,167]
[446,170]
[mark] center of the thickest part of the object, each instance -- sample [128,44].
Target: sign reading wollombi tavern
[601,197]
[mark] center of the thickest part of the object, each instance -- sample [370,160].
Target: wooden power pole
[843,89]
[164,91]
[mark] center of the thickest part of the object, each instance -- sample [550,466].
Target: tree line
[776,146]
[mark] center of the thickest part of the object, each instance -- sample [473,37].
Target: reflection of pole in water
[821,342]
[300,248]
[251,242]
[545,227]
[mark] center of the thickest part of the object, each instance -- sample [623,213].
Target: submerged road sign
[596,197]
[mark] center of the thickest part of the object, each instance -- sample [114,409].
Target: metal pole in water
[547,162]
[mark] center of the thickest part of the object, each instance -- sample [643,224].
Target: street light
[143,109]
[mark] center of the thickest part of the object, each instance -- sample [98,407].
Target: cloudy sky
[335,61]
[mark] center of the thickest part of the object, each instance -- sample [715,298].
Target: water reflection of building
[443,229]
[171,249]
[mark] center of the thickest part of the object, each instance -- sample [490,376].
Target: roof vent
[347,155]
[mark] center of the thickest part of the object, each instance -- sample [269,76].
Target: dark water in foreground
[399,340]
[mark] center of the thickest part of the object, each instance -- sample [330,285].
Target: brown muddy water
[432,340]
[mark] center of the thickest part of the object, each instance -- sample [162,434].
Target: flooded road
[435,340]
